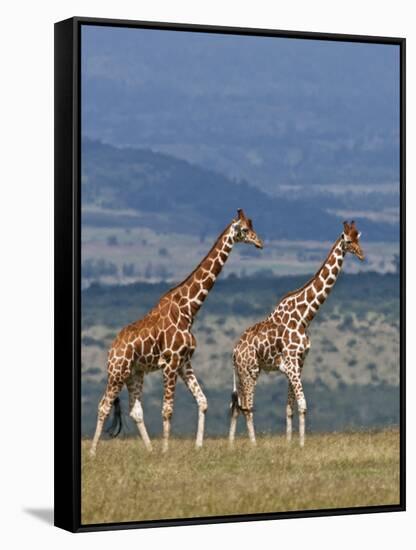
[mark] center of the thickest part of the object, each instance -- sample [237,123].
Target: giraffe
[281,341]
[162,340]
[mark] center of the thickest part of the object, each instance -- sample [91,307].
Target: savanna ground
[125,483]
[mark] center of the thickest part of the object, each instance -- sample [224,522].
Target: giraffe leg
[293,373]
[135,388]
[170,375]
[113,389]
[234,406]
[233,423]
[246,387]
[188,376]
[289,411]
[250,426]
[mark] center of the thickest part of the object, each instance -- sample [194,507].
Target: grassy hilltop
[125,483]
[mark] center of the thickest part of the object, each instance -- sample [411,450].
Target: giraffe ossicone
[162,340]
[281,342]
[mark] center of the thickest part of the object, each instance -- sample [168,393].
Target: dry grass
[124,483]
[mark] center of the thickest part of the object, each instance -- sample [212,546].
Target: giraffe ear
[236,225]
[359,235]
[241,215]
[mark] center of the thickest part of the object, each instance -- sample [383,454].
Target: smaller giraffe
[162,340]
[281,341]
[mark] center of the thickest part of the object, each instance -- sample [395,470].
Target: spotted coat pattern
[162,340]
[281,342]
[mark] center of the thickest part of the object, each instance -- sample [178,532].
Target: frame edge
[66,453]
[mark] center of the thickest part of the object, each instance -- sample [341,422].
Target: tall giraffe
[162,339]
[281,341]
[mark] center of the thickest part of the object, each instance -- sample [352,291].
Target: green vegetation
[125,483]
[351,375]
[356,296]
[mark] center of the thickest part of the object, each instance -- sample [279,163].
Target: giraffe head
[351,237]
[243,230]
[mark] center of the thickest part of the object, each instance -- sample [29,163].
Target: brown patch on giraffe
[310,294]
[331,281]
[178,341]
[272,334]
[174,313]
[162,339]
[302,309]
[170,334]
[206,266]
[318,284]
[216,267]
[295,338]
[332,260]
[194,308]
[199,273]
[183,302]
[321,298]
[165,323]
[302,297]
[296,316]
[194,289]
[325,272]
[309,316]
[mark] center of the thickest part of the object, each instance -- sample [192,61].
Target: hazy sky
[263,109]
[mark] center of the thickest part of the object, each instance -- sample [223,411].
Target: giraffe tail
[117,423]
[234,405]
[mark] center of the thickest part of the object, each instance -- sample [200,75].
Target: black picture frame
[67,271]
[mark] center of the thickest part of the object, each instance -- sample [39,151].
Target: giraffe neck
[307,300]
[195,288]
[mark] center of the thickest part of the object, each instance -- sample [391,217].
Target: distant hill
[172,195]
[268,110]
